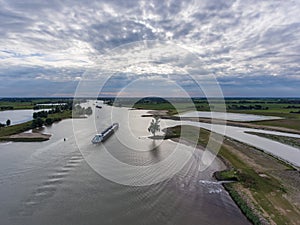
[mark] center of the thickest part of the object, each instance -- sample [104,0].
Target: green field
[28,103]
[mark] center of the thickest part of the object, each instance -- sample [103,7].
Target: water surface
[50,182]
[17,116]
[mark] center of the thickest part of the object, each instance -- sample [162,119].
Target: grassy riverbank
[15,129]
[9,133]
[60,109]
[266,188]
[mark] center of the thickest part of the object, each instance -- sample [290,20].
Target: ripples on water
[51,183]
[49,186]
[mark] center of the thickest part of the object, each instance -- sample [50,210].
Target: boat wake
[49,186]
[213,187]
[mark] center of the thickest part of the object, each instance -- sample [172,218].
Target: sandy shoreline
[27,137]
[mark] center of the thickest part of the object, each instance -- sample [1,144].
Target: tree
[8,122]
[154,125]
[48,121]
[38,122]
[89,111]
[42,114]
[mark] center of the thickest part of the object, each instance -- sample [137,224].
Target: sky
[251,48]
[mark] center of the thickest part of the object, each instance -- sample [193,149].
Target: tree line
[41,118]
[247,107]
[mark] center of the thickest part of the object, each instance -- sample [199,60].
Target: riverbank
[267,190]
[284,108]
[163,115]
[16,132]
[41,118]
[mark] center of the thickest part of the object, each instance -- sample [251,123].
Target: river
[283,151]
[51,183]
[18,116]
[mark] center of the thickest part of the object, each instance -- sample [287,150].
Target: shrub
[48,121]
[38,122]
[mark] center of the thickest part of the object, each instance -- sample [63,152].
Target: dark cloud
[57,40]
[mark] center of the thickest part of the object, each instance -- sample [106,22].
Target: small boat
[105,134]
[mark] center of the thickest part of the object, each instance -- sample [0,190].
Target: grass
[287,123]
[275,108]
[63,115]
[227,175]
[17,105]
[242,204]
[19,128]
[29,103]
[267,191]
[152,106]
[15,129]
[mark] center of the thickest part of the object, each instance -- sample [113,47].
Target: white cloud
[233,38]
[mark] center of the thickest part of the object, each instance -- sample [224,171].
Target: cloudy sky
[251,47]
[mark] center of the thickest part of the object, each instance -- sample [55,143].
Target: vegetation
[280,107]
[295,111]
[78,110]
[40,118]
[38,122]
[243,205]
[58,113]
[40,114]
[154,126]
[15,129]
[260,187]
[246,163]
[144,103]
[227,175]
[290,123]
[30,103]
[247,107]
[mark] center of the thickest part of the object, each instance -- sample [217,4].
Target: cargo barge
[105,134]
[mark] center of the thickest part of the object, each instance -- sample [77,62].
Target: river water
[283,151]
[18,116]
[51,183]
